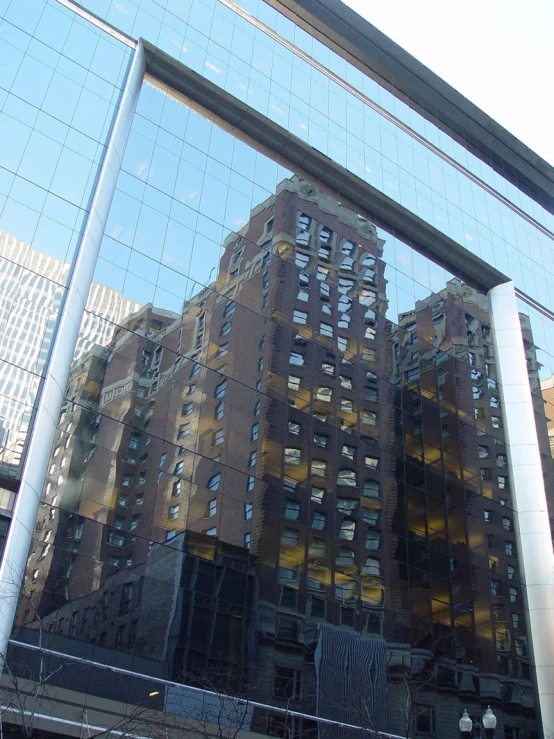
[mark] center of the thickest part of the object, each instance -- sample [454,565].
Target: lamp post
[465,724]
[489,723]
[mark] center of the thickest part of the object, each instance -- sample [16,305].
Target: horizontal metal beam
[307,162]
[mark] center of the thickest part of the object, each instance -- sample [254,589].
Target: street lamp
[465,724]
[489,723]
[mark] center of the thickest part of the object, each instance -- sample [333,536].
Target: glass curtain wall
[60,80]
[280,70]
[283,457]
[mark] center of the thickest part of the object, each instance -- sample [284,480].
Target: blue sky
[498,53]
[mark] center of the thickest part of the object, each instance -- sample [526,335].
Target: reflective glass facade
[279,495]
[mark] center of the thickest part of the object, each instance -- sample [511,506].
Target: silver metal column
[532,525]
[16,551]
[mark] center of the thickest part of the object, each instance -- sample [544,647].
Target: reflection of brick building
[346,469]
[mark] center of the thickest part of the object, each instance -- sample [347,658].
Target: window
[424,718]
[304,279]
[347,530]
[348,248]
[211,509]
[371,516]
[115,539]
[250,482]
[134,441]
[194,373]
[510,572]
[348,451]
[324,292]
[506,523]
[321,440]
[260,364]
[211,532]
[345,285]
[319,468]
[176,489]
[370,355]
[173,512]
[187,409]
[184,430]
[247,511]
[289,485]
[218,437]
[328,369]
[346,405]
[509,548]
[303,296]
[317,548]
[225,328]
[289,538]
[344,321]
[252,460]
[213,482]
[501,460]
[256,412]
[513,595]
[319,521]
[483,451]
[325,394]
[178,468]
[372,462]
[325,329]
[346,505]
[496,588]
[373,540]
[294,382]
[220,389]
[346,477]
[371,489]
[292,455]
[369,418]
[287,684]
[294,428]
[296,358]
[316,495]
[346,591]
[302,239]
[247,538]
[300,316]
[219,411]
[292,510]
